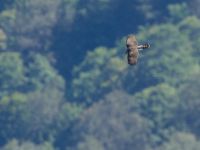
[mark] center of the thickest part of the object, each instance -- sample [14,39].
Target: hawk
[133,49]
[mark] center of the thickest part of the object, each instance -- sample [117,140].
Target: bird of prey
[133,49]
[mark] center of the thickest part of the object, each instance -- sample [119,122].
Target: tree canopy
[65,83]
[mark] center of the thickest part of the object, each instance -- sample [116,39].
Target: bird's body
[133,49]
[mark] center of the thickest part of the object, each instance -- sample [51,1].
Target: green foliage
[118,126]
[32,95]
[154,81]
[7,17]
[188,113]
[159,104]
[173,54]
[166,61]
[12,72]
[194,7]
[25,33]
[178,11]
[99,73]
[191,26]
[128,107]
[92,7]
[38,116]
[3,38]
[70,112]
[181,141]
[16,145]
[147,9]
[11,108]
[90,144]
[69,11]
[40,73]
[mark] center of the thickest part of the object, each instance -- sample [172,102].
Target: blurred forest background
[65,83]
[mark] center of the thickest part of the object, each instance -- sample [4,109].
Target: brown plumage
[132,50]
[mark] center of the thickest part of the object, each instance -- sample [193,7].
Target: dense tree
[38,116]
[188,113]
[44,17]
[16,145]
[190,26]
[194,7]
[176,12]
[68,13]
[173,54]
[181,141]
[41,74]
[128,107]
[98,73]
[3,38]
[12,72]
[32,99]
[102,23]
[37,73]
[90,144]
[166,61]
[159,104]
[112,124]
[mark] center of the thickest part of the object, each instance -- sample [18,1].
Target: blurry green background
[65,83]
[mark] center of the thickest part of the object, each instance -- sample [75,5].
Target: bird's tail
[144,46]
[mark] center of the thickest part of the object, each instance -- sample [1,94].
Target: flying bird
[133,49]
